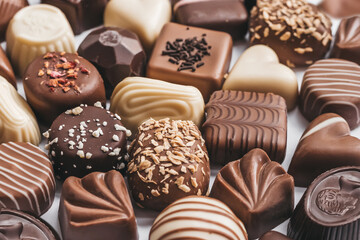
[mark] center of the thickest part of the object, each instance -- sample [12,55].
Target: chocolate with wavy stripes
[8,8]
[97,207]
[26,178]
[332,85]
[257,190]
[200,218]
[240,121]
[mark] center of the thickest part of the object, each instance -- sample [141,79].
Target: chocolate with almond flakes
[58,81]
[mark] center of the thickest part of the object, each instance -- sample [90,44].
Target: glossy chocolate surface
[347,40]
[330,207]
[86,139]
[258,191]
[81,14]
[341,8]
[57,81]
[116,53]
[203,68]
[6,69]
[17,225]
[272,235]
[325,144]
[332,85]
[222,15]
[238,121]
[97,206]
[8,8]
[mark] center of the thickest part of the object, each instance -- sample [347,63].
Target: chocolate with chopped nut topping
[168,161]
[57,81]
[86,139]
[297,31]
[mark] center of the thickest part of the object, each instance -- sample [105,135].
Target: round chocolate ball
[57,81]
[298,32]
[86,139]
[169,161]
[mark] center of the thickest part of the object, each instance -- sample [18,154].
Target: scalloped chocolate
[258,191]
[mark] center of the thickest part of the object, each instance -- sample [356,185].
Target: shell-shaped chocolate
[258,190]
[17,120]
[97,201]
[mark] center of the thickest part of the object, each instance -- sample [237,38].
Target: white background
[296,125]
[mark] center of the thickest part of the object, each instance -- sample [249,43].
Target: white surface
[296,126]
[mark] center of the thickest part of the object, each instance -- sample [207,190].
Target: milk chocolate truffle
[117,53]
[168,161]
[8,8]
[81,14]
[257,190]
[86,139]
[191,56]
[222,15]
[330,207]
[340,8]
[35,30]
[200,218]
[55,82]
[272,235]
[325,144]
[237,122]
[27,178]
[137,99]
[145,18]
[6,69]
[97,206]
[332,85]
[347,40]
[298,32]
[17,120]
[16,225]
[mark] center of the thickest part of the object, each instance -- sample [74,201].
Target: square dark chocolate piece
[191,56]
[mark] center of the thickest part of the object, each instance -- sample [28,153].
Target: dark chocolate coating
[168,161]
[93,140]
[330,207]
[297,42]
[8,8]
[222,15]
[6,69]
[272,235]
[237,122]
[97,206]
[51,94]
[81,14]
[17,225]
[325,144]
[258,191]
[332,85]
[249,4]
[116,53]
[347,40]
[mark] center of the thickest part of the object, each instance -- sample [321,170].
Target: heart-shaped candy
[325,144]
[258,70]
[144,17]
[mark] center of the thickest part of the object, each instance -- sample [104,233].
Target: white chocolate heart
[258,70]
[144,17]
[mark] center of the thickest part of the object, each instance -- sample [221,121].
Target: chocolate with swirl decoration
[97,207]
[240,121]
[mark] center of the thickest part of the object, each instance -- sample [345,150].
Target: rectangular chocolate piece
[240,121]
[222,15]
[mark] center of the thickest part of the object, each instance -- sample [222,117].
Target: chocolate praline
[6,69]
[8,8]
[57,81]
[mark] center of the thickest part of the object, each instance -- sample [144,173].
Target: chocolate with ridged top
[8,8]
[97,206]
[86,139]
[347,40]
[117,53]
[81,14]
[222,15]
[272,235]
[297,31]
[240,121]
[6,69]
[57,81]
[340,8]
[330,207]
[17,225]
[257,190]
